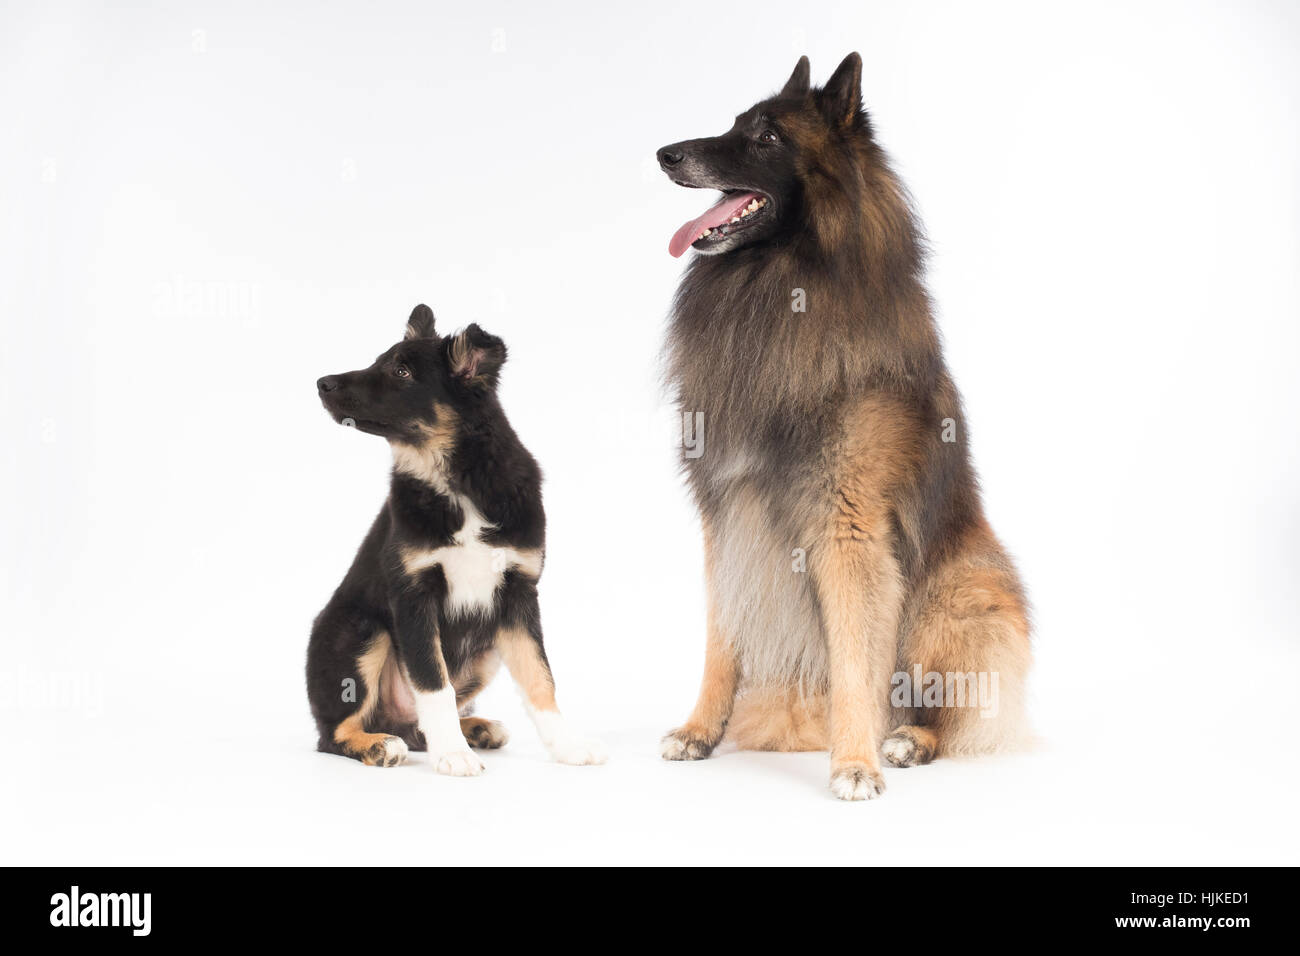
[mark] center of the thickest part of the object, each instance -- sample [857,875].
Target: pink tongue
[726,210]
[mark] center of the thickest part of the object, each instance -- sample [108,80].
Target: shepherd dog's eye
[769,136]
[401,371]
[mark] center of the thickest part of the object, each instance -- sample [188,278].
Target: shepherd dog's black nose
[669,156]
[328,383]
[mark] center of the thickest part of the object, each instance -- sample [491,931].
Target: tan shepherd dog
[857,598]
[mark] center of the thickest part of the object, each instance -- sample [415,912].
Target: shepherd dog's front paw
[457,763]
[856,781]
[685,744]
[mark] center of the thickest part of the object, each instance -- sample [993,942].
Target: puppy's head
[419,383]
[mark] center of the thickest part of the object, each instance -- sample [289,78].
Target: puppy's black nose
[328,383]
[669,157]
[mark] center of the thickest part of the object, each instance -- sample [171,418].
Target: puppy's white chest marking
[473,568]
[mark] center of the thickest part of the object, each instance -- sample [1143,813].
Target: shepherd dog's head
[420,385]
[803,147]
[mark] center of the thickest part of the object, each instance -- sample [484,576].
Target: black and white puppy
[444,587]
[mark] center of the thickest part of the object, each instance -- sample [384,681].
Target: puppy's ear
[841,97]
[476,357]
[420,324]
[797,85]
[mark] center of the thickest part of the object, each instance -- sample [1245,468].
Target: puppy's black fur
[464,491]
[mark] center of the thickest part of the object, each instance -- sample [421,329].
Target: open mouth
[735,211]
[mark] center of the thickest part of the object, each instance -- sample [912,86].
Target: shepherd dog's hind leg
[973,633]
[695,739]
[910,745]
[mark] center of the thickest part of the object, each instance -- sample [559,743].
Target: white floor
[141,791]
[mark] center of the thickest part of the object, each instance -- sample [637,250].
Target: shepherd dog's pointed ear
[799,80]
[842,95]
[476,357]
[420,324]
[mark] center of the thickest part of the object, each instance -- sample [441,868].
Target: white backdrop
[204,207]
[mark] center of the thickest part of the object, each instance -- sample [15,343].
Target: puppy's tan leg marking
[526,661]
[696,738]
[484,734]
[372,749]
[860,590]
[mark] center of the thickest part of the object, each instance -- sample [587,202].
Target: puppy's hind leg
[350,737]
[482,734]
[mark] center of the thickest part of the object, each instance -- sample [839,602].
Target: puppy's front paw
[457,763]
[579,752]
[856,781]
[685,744]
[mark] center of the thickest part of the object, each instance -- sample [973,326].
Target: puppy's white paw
[579,752]
[457,763]
[386,752]
[857,782]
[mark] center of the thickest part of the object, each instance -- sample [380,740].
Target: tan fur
[428,460]
[483,734]
[968,617]
[777,718]
[351,734]
[707,722]
[528,668]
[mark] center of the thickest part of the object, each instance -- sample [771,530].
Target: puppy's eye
[401,371]
[769,136]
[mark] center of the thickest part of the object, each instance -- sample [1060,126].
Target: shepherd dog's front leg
[859,591]
[703,730]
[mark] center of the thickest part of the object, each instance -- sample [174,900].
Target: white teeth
[754,206]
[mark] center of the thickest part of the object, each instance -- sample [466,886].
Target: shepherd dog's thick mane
[854,265]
